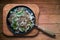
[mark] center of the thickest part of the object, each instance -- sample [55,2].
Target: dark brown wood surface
[49,18]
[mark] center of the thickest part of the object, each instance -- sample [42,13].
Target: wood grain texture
[6,31]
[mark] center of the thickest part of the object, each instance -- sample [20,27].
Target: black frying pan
[30,29]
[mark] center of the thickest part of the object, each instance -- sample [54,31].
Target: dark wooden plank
[49,19]
[49,9]
[55,28]
[31,1]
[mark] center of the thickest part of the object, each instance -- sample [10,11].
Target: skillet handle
[45,31]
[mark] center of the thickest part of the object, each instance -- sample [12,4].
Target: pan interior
[20,19]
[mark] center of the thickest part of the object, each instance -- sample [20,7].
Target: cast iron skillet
[9,25]
[30,29]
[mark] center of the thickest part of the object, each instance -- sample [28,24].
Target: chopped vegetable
[21,19]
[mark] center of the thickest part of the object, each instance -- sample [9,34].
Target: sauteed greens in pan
[21,19]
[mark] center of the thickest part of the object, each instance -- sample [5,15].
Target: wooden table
[49,18]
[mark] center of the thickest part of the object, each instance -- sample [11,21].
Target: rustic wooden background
[49,18]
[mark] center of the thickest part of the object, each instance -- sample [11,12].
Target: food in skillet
[21,19]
